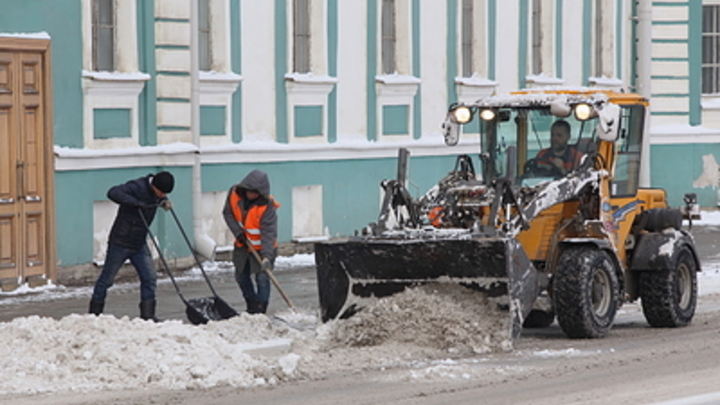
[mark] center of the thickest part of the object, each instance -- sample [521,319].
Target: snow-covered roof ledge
[682,134]
[24,35]
[174,154]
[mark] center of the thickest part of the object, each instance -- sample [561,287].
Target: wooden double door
[26,163]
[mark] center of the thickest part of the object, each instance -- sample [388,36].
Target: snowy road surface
[54,354]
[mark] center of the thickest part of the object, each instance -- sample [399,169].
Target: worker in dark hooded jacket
[250,214]
[138,200]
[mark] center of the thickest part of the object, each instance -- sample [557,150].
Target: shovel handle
[272,277]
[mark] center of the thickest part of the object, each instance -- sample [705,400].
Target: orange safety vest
[251,221]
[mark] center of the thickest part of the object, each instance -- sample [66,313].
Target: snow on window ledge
[221,84]
[611,83]
[475,81]
[543,80]
[310,78]
[116,76]
[710,102]
[108,84]
[310,89]
[473,88]
[400,88]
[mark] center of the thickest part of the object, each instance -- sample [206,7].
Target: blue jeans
[244,280]
[114,259]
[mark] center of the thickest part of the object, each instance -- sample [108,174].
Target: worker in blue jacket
[138,200]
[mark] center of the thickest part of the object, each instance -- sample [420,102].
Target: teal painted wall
[75,226]
[212,120]
[395,119]
[111,123]
[308,120]
[677,179]
[61,20]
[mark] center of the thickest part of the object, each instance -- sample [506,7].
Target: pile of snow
[87,353]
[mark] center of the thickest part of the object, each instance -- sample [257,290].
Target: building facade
[320,94]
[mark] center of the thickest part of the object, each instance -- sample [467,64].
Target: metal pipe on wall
[644,64]
[204,245]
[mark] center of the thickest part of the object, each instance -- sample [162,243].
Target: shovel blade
[202,310]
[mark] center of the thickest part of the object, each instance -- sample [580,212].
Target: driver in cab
[560,156]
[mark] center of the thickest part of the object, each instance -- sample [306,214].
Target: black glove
[166,204]
[266,265]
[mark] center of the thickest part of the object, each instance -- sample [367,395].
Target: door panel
[23,168]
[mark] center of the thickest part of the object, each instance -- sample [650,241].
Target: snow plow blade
[350,271]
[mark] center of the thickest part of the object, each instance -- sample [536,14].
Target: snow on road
[84,353]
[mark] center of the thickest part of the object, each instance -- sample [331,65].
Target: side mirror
[609,122]
[451,131]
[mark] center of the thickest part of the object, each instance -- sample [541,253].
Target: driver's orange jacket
[571,158]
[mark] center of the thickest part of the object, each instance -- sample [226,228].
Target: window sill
[114,83]
[610,83]
[221,85]
[710,102]
[543,81]
[474,88]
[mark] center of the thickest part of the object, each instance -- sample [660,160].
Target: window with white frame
[308,84]
[466,37]
[103,35]
[711,49]
[598,65]
[604,28]
[111,81]
[388,37]
[301,36]
[537,38]
[204,36]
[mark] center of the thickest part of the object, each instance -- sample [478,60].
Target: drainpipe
[204,245]
[644,62]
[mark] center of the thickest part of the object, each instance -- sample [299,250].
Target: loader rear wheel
[669,296]
[658,219]
[585,292]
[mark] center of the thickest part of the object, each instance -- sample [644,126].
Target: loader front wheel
[669,296]
[585,292]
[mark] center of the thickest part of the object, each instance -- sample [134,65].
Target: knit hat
[164,181]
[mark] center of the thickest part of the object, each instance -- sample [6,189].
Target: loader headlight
[487,114]
[583,111]
[462,114]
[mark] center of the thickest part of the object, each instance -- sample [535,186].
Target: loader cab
[519,140]
[533,146]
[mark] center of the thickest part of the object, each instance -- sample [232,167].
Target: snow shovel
[198,310]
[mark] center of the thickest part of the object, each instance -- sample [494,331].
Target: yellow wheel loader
[548,231]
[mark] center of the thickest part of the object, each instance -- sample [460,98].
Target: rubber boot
[96,307]
[262,307]
[251,306]
[147,310]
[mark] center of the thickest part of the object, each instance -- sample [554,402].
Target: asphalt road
[299,284]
